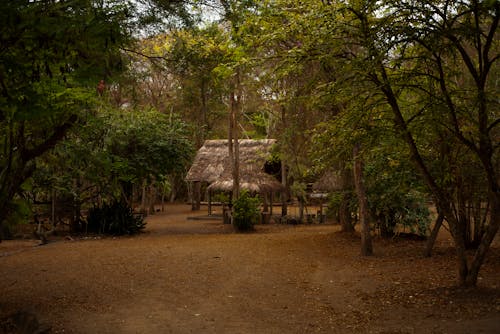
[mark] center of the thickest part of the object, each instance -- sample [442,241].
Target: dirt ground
[185,276]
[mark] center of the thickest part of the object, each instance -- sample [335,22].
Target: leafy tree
[433,60]
[124,149]
[426,69]
[190,58]
[53,55]
[287,81]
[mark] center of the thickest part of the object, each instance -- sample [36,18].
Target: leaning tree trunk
[364,215]
[489,235]
[434,233]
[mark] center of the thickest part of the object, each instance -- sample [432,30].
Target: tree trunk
[173,194]
[489,235]
[233,146]
[235,110]
[152,199]
[53,208]
[204,111]
[271,204]
[345,218]
[366,240]
[284,174]
[301,209]
[434,233]
[162,201]
[284,193]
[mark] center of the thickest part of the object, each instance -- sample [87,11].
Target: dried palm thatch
[258,182]
[330,181]
[212,165]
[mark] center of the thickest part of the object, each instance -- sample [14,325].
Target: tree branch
[57,135]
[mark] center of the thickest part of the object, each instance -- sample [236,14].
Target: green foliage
[335,200]
[406,210]
[114,219]
[194,60]
[53,55]
[122,147]
[146,143]
[245,212]
[221,197]
[395,193]
[21,214]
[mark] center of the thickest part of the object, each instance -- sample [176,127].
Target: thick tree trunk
[364,215]
[345,218]
[458,233]
[489,235]
[301,209]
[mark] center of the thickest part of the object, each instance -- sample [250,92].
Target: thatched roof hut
[211,165]
[212,160]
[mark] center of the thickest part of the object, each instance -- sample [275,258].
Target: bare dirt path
[198,277]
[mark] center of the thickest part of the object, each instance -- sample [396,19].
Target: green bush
[335,200]
[245,212]
[396,200]
[114,219]
[408,211]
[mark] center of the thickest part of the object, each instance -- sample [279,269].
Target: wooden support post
[264,198]
[271,203]
[209,202]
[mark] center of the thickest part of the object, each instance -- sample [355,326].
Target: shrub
[245,212]
[407,210]
[335,201]
[114,219]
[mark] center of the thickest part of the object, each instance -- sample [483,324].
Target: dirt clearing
[185,276]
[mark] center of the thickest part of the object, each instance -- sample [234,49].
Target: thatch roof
[258,182]
[212,161]
[330,181]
